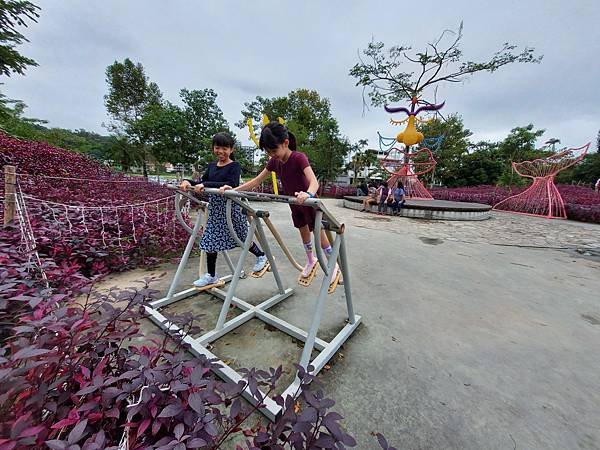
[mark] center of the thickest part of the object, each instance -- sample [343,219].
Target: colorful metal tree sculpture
[410,135]
[407,163]
[542,197]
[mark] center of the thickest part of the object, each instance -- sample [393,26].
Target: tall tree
[361,159]
[130,94]
[204,118]
[552,143]
[15,14]
[519,145]
[480,166]
[384,79]
[309,117]
[587,171]
[164,129]
[454,147]
[183,134]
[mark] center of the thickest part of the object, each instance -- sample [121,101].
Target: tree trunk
[124,164]
[144,164]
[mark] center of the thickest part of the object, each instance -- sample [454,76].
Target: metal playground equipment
[258,219]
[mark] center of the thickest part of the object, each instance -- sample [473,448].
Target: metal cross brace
[199,345]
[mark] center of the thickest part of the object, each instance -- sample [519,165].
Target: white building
[367,172]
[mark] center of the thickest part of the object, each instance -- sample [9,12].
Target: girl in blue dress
[216,236]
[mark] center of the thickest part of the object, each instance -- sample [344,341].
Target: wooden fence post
[9,194]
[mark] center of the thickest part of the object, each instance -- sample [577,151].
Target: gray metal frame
[198,346]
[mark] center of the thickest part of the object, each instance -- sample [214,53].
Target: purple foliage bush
[581,203]
[80,375]
[109,237]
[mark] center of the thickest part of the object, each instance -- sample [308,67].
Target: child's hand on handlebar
[222,189]
[184,186]
[301,196]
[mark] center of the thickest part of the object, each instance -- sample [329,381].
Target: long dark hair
[224,140]
[273,134]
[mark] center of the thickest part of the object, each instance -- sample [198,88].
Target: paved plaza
[475,334]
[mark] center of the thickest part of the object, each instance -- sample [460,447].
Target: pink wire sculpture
[542,197]
[406,166]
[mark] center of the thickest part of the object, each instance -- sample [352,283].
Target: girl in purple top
[299,180]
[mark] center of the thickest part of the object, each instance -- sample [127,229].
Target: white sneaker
[261,261]
[205,280]
[308,268]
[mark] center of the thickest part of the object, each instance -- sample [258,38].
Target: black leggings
[382,205]
[397,205]
[211,258]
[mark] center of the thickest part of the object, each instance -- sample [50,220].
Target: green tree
[383,76]
[587,171]
[130,94]
[308,116]
[203,119]
[450,153]
[94,144]
[16,124]
[164,129]
[15,14]
[273,107]
[519,145]
[552,143]
[124,152]
[183,134]
[362,158]
[481,166]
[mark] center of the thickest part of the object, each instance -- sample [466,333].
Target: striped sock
[309,252]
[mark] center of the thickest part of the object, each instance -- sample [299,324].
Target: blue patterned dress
[216,236]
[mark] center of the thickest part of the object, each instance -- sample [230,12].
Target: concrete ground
[475,335]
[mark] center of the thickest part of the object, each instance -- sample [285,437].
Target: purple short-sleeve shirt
[291,172]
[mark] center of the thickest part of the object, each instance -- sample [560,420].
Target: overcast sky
[242,49]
